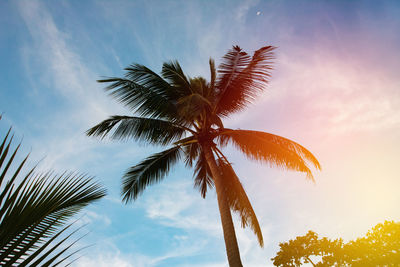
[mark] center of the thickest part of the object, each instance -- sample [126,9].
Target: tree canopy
[380,247]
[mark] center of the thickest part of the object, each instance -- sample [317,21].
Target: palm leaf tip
[241,78]
[151,170]
[238,200]
[173,73]
[155,131]
[202,175]
[272,149]
[144,92]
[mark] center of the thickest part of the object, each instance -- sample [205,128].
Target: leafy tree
[307,249]
[186,114]
[35,211]
[380,247]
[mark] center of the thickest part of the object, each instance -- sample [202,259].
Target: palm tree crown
[186,114]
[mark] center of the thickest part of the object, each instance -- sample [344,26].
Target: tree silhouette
[380,247]
[186,114]
[308,249]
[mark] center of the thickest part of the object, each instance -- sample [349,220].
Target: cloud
[90,217]
[326,92]
[64,77]
[108,260]
[184,208]
[64,69]
[108,254]
[243,9]
[342,96]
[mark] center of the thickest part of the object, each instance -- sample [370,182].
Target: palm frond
[192,106]
[199,86]
[45,258]
[191,151]
[199,104]
[202,175]
[147,172]
[146,101]
[155,131]
[232,64]
[242,78]
[173,73]
[33,212]
[213,75]
[238,200]
[273,149]
[147,78]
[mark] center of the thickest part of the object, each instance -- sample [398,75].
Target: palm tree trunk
[232,249]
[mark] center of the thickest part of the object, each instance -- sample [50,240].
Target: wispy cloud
[108,254]
[243,9]
[184,208]
[66,77]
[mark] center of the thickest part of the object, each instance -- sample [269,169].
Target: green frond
[238,200]
[242,78]
[34,210]
[44,254]
[191,151]
[154,131]
[173,73]
[199,86]
[192,106]
[146,101]
[232,64]
[149,171]
[273,149]
[147,78]
[202,175]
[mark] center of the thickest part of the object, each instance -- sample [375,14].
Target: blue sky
[335,89]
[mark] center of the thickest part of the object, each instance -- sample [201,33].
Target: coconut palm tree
[186,114]
[36,209]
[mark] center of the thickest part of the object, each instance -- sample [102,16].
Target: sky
[335,89]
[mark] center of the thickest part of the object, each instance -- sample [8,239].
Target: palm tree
[186,113]
[35,212]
